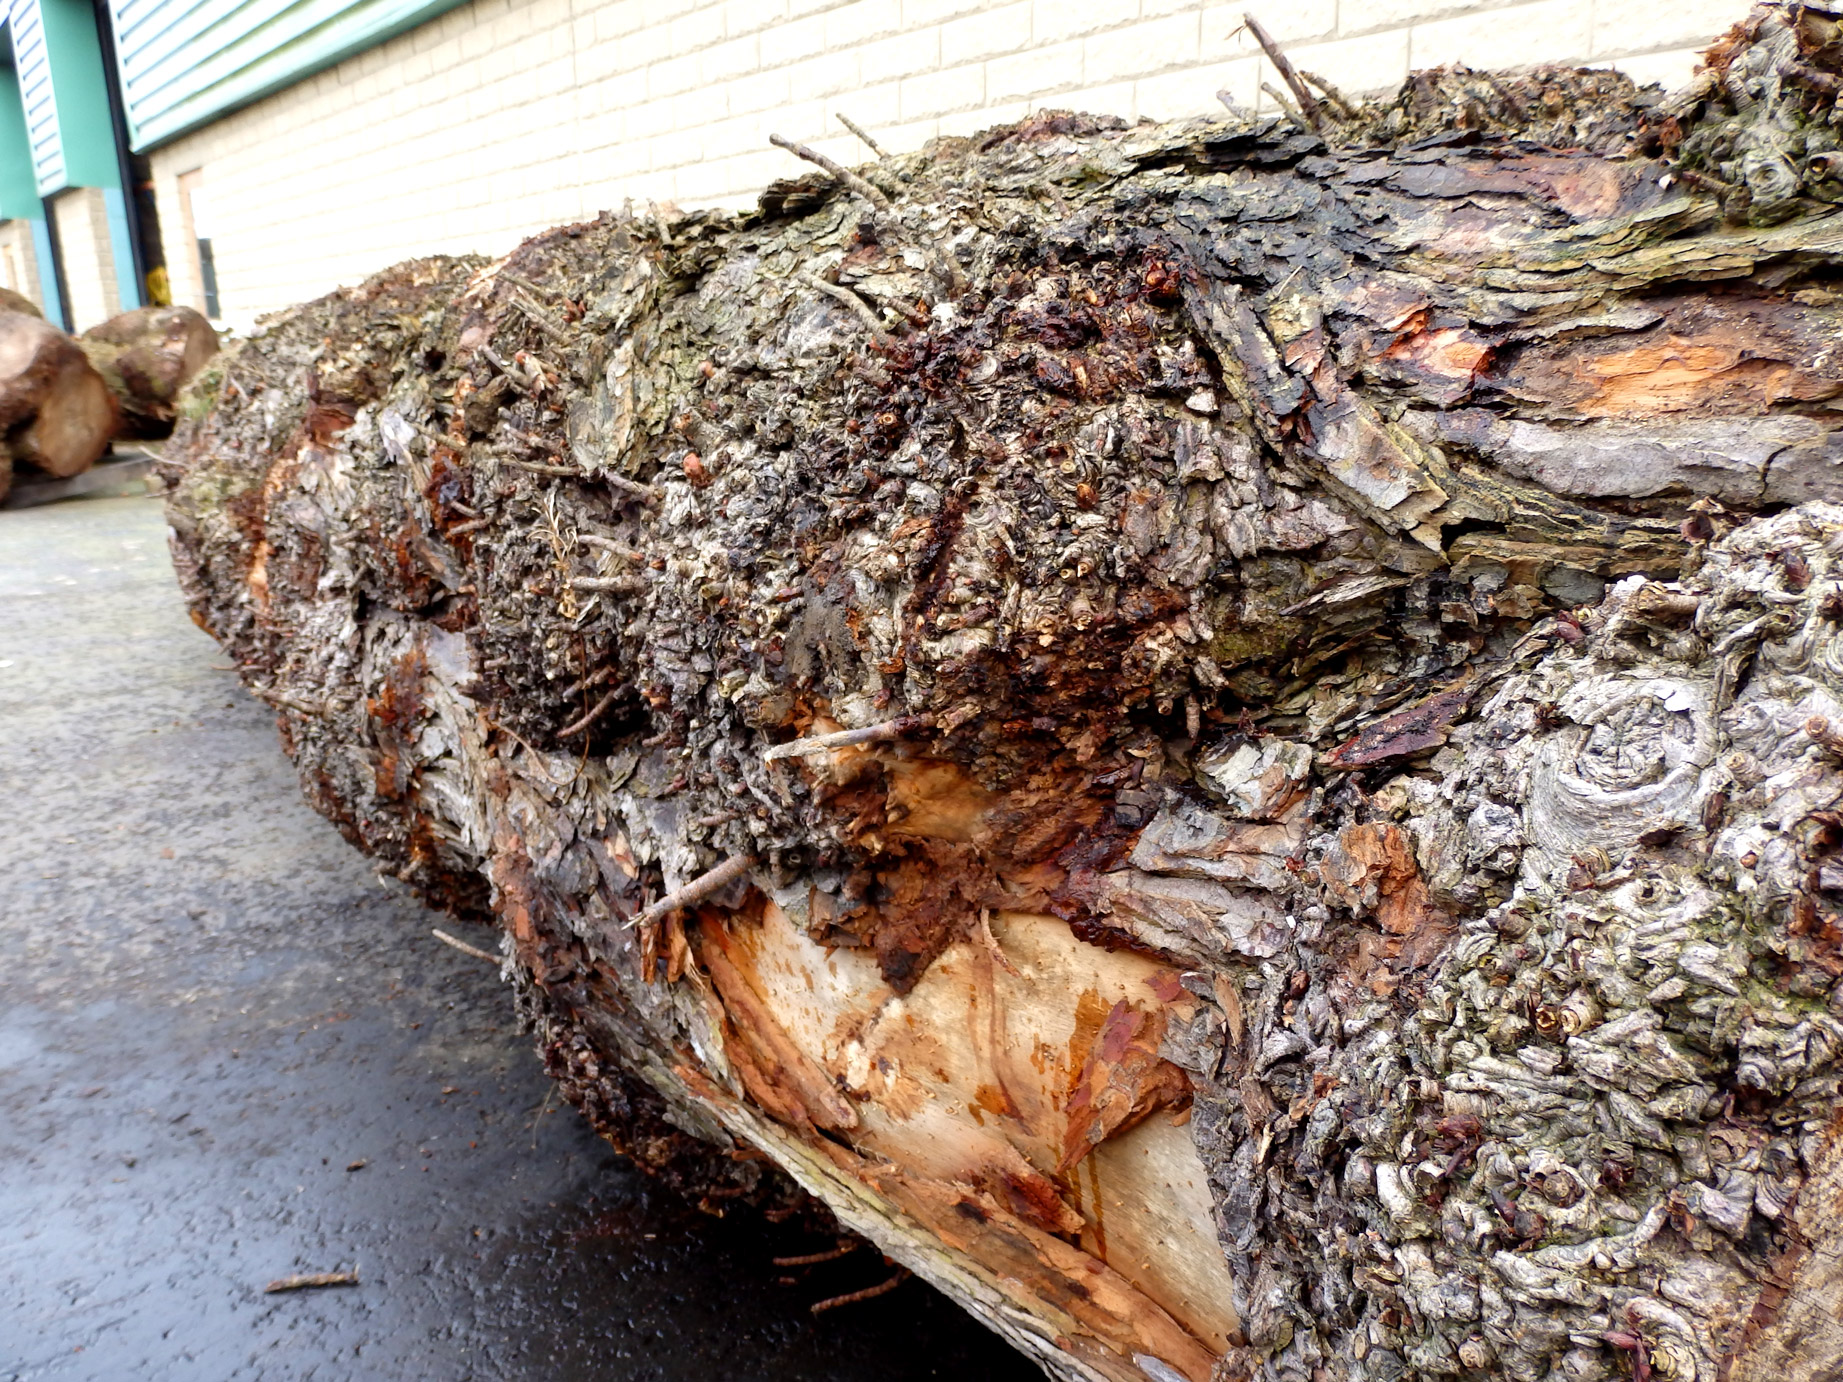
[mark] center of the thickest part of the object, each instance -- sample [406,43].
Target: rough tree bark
[1325,862]
[146,357]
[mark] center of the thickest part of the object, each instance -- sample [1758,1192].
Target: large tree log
[55,411]
[1225,737]
[11,301]
[147,357]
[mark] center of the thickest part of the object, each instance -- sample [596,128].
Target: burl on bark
[1227,737]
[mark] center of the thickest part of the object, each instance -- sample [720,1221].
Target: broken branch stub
[1356,889]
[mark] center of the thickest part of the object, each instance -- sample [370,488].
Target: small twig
[993,948]
[507,276]
[844,738]
[1292,111]
[537,758]
[311,1281]
[849,298]
[575,727]
[1337,98]
[1689,177]
[472,525]
[868,1293]
[813,1259]
[463,946]
[291,702]
[1821,732]
[540,469]
[660,224]
[514,377]
[618,585]
[845,176]
[608,544]
[650,493]
[538,317]
[543,1109]
[531,439]
[593,679]
[697,889]
[1308,103]
[858,130]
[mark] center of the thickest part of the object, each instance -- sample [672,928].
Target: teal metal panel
[19,199]
[185,62]
[18,184]
[62,85]
[69,129]
[33,62]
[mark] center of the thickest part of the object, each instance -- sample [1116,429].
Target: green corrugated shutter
[185,62]
[66,102]
[18,187]
[19,200]
[41,107]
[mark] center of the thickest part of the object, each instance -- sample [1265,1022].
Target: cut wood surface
[55,410]
[1225,737]
[146,357]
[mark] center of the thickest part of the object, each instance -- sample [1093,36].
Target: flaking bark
[1345,634]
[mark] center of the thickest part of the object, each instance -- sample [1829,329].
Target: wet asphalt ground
[229,1054]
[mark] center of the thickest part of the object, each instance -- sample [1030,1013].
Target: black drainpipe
[57,265]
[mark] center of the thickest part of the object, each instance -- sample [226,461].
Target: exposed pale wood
[57,413]
[965,1080]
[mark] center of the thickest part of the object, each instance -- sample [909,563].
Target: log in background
[1338,875]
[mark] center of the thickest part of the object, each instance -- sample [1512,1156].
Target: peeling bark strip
[1246,784]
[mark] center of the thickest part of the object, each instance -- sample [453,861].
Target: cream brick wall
[82,224]
[19,261]
[506,116]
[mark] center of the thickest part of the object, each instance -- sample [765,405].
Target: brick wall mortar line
[475,155]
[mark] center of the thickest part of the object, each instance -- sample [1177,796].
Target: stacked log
[62,401]
[147,357]
[56,412]
[1224,736]
[11,301]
